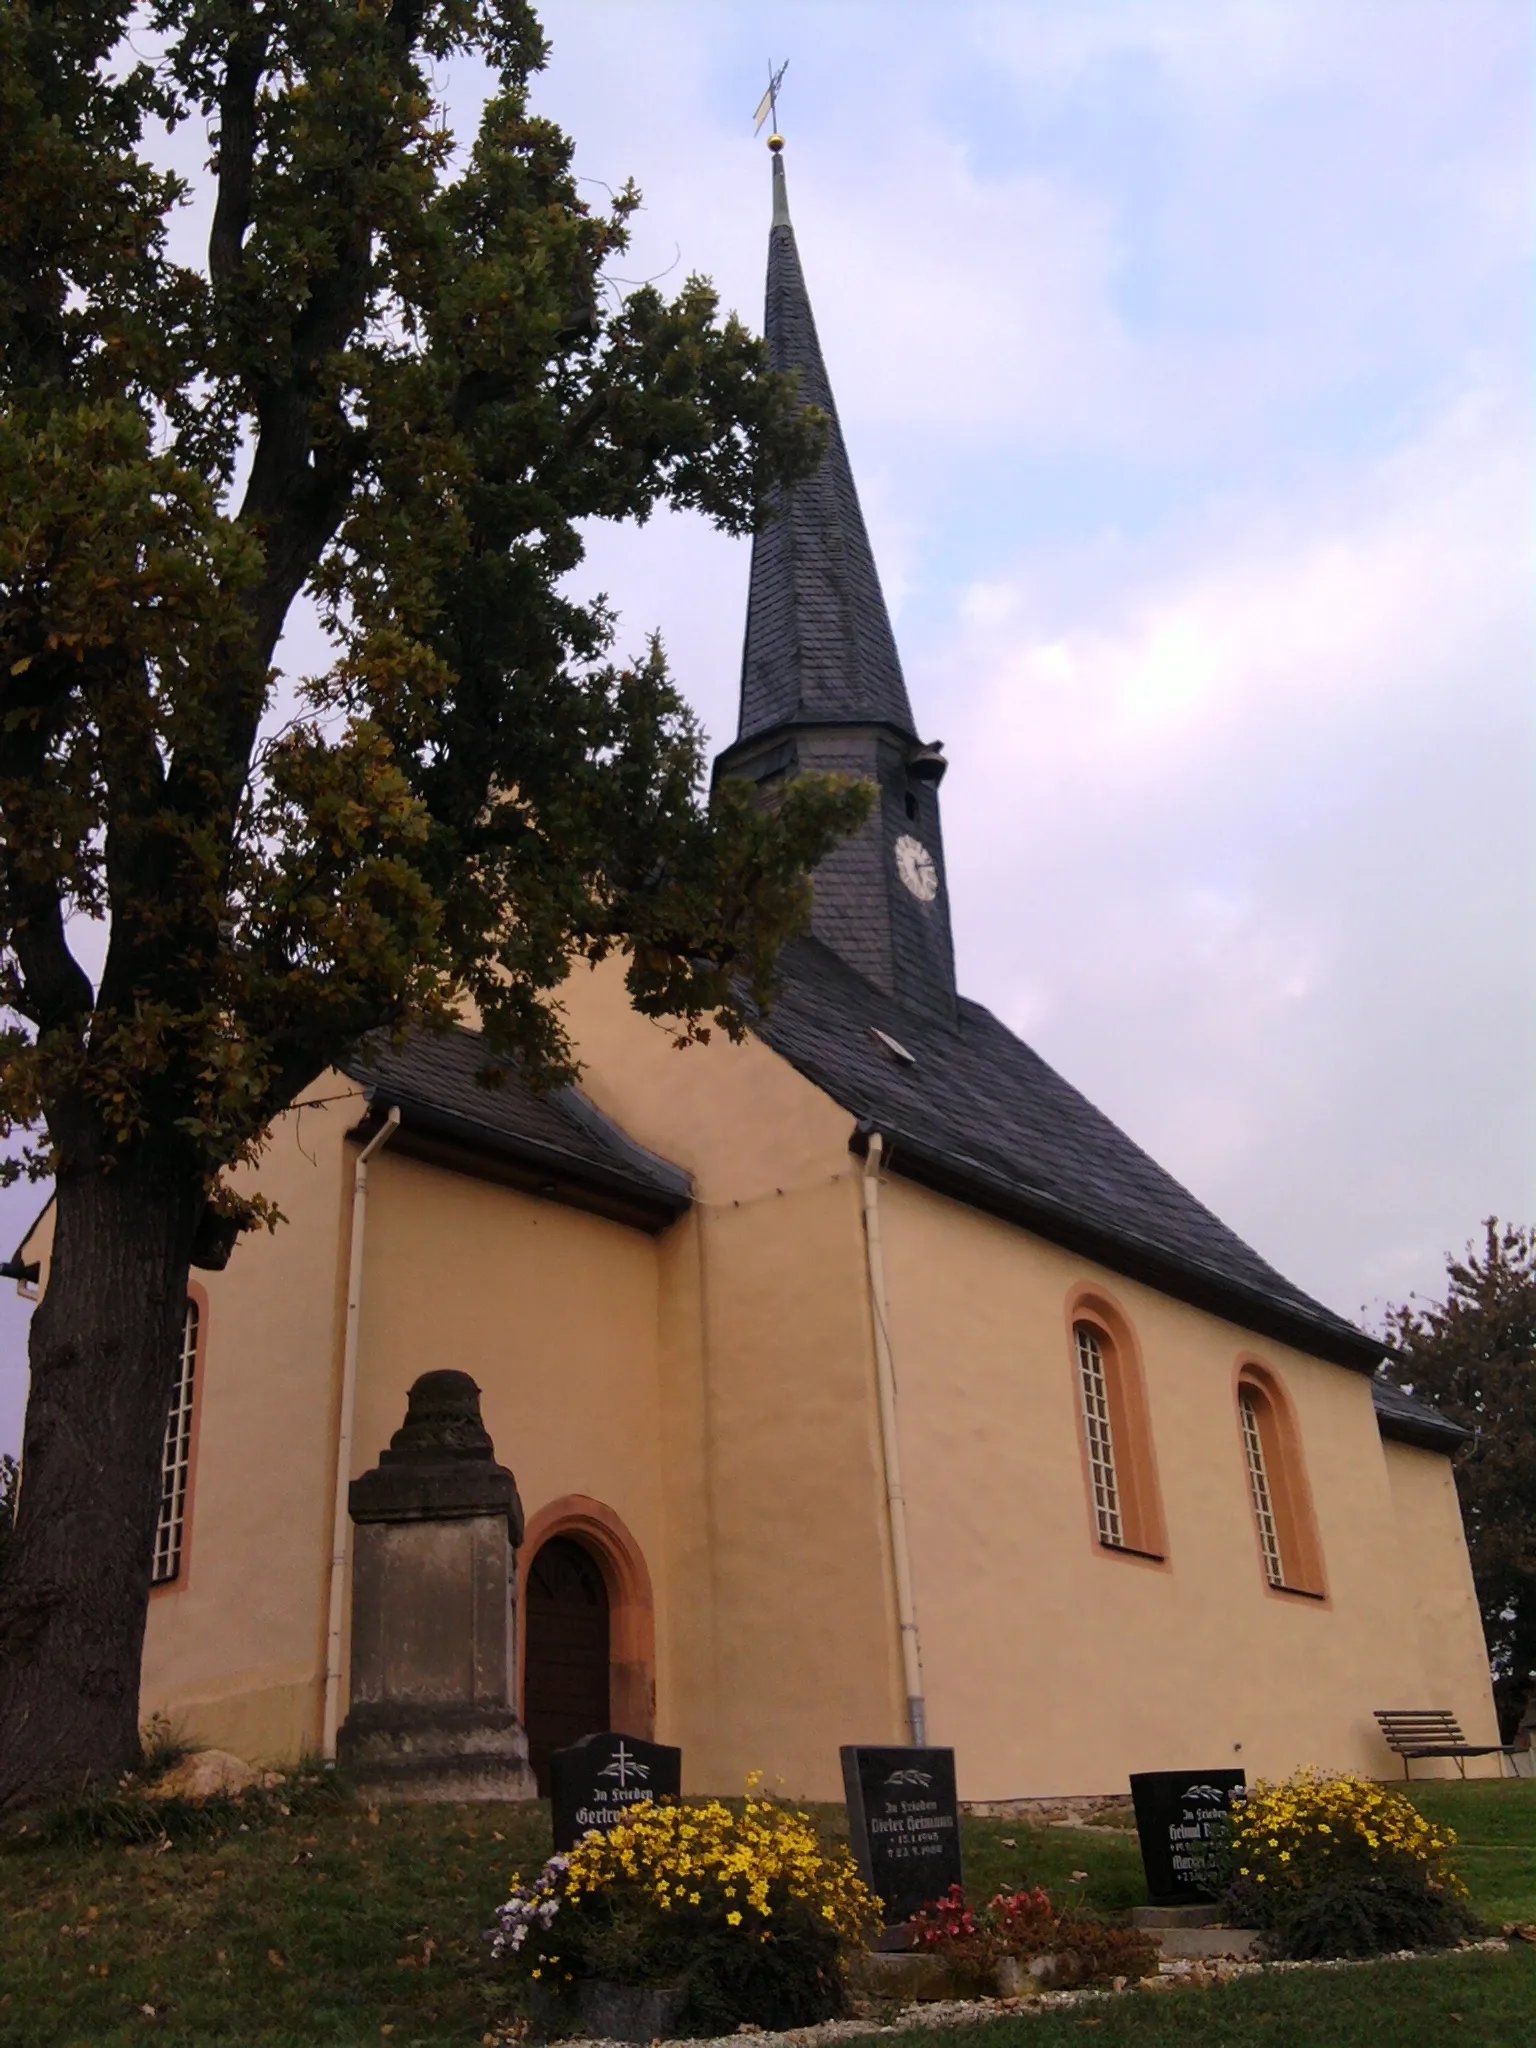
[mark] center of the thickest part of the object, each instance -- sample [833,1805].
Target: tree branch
[237,149]
[56,990]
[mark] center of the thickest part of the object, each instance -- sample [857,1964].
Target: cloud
[1153,229]
[1184,352]
[1239,835]
[1378,581]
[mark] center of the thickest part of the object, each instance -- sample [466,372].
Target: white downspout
[339,1516]
[890,1446]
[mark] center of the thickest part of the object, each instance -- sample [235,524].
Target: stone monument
[437,1523]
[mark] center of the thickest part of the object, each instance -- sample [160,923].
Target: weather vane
[769,104]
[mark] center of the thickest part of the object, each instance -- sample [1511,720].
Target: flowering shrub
[1337,1865]
[748,1910]
[1027,1924]
[944,1922]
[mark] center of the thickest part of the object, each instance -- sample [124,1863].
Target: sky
[1183,356]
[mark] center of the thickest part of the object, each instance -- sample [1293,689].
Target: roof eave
[1423,1424]
[1444,1436]
[443,1137]
[967,1181]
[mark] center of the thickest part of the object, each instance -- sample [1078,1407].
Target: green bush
[1359,1913]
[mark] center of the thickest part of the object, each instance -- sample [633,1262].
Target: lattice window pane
[1094,1388]
[1258,1483]
[177,1458]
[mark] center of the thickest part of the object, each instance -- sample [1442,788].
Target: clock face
[917,868]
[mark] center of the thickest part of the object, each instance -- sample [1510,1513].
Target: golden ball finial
[775,143]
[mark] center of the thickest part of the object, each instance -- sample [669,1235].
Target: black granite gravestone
[904,1824]
[595,1782]
[1178,1815]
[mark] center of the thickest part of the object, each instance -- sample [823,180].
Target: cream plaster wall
[782,1635]
[553,1312]
[234,1649]
[1053,1665]
[1452,1650]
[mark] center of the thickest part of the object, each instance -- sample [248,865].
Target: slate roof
[1413,1421]
[979,1115]
[557,1144]
[819,647]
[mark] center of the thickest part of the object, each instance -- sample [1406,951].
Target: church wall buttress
[768,1372]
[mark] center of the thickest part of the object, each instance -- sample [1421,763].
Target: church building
[862,1382]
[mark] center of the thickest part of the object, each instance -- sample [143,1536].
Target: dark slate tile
[986,1106]
[447,1073]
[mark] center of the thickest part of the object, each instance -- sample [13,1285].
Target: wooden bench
[1432,1731]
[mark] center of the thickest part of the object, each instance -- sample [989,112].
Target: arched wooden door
[565,1683]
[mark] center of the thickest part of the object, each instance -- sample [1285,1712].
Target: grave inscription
[903,1824]
[1178,1816]
[597,1781]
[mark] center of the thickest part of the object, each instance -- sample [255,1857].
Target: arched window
[176,1456]
[1289,1552]
[1117,1445]
[1098,1431]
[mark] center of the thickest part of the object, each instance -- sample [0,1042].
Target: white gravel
[964,2012]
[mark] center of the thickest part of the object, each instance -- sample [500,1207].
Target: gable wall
[1053,1665]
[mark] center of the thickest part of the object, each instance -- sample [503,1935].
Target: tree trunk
[104,1343]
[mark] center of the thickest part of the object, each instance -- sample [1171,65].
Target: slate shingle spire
[822,688]
[819,643]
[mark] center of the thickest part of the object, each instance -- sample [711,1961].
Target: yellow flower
[733,1919]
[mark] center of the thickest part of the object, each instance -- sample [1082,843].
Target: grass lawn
[1496,1826]
[351,1927]
[1458,2001]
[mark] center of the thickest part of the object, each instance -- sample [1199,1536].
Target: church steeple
[819,643]
[822,688]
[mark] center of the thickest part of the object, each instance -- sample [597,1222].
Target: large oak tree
[399,384]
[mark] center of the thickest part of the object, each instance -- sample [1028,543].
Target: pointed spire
[822,691]
[819,647]
[781,217]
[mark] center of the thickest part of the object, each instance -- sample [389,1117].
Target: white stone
[209,1772]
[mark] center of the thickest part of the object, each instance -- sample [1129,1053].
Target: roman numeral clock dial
[917,868]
